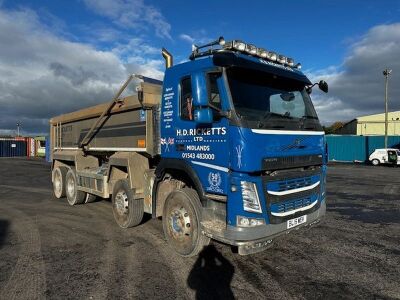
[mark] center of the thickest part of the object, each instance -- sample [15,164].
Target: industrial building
[372,125]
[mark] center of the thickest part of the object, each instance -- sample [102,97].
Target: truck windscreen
[266,101]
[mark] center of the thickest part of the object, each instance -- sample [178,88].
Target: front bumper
[255,239]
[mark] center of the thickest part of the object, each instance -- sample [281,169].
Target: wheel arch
[180,170]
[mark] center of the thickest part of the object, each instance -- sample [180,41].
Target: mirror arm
[220,111]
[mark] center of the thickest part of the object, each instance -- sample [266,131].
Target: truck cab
[246,131]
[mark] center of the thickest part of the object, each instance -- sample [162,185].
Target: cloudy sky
[58,56]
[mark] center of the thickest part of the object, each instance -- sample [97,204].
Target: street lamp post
[18,125]
[386,73]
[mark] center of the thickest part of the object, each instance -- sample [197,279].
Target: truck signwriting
[228,146]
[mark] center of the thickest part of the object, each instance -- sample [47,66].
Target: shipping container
[47,151]
[40,146]
[350,148]
[11,147]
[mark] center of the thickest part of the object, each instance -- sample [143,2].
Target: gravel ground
[49,249]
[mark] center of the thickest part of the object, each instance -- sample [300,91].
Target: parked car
[385,156]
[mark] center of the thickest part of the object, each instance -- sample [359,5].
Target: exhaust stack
[169,60]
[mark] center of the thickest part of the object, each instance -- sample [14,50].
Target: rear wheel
[59,174]
[375,162]
[181,222]
[73,195]
[127,210]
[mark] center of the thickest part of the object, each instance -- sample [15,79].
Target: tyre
[59,174]
[181,222]
[127,210]
[375,162]
[90,198]
[74,196]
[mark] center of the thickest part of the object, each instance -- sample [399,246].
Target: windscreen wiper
[303,118]
[269,115]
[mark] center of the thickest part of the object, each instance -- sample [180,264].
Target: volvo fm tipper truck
[227,147]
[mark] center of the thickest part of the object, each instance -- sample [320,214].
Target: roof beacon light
[251,49]
[298,66]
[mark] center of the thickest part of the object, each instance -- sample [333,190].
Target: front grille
[291,201]
[272,199]
[294,184]
[292,205]
[287,162]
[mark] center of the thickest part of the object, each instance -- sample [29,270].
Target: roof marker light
[290,62]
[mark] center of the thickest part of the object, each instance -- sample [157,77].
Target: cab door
[204,145]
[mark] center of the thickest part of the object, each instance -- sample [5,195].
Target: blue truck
[227,147]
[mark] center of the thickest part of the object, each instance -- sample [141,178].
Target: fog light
[249,222]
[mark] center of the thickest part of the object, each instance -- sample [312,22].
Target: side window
[186,99]
[214,96]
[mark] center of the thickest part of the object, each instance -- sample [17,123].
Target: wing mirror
[323,86]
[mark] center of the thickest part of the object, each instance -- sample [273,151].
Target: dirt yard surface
[49,249]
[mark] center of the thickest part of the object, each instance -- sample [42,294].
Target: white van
[385,156]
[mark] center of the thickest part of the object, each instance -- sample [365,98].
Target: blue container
[48,149]
[12,148]
[351,148]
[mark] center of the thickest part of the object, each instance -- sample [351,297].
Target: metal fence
[357,148]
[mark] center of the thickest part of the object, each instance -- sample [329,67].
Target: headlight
[251,202]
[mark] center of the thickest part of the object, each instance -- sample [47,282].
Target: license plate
[296,221]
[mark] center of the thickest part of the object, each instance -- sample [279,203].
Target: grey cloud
[42,75]
[357,86]
[77,76]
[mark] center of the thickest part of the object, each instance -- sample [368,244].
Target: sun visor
[230,59]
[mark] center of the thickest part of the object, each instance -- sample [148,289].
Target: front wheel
[375,162]
[127,210]
[181,222]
